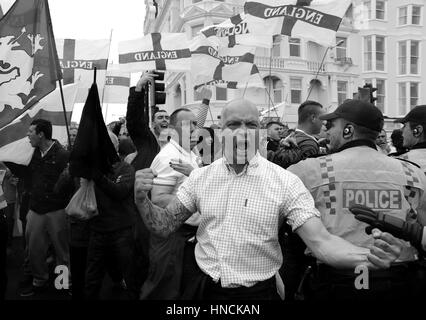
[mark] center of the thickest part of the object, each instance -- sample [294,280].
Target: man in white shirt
[167,255]
[243,199]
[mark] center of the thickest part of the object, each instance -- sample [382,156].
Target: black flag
[93,150]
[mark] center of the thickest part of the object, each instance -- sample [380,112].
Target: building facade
[378,42]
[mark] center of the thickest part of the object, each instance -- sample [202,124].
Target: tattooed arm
[161,221]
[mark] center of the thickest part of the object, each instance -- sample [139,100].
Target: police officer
[414,135]
[355,173]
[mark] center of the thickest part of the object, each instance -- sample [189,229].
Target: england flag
[156,51]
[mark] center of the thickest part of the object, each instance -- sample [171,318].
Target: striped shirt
[240,218]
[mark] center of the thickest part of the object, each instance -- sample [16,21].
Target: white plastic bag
[83,203]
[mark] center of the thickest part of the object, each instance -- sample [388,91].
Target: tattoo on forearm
[163,221]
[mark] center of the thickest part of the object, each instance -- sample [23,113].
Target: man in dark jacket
[46,219]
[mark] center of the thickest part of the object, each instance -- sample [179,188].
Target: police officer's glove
[409,231]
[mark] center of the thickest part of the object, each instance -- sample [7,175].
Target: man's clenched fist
[144,181]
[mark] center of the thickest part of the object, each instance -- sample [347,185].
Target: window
[380,53]
[368,53]
[342,91]
[408,96]
[374,53]
[221,93]
[341,48]
[412,55]
[275,85]
[195,29]
[402,57]
[403,16]
[414,94]
[380,94]
[294,47]
[402,98]
[367,4]
[380,10]
[276,52]
[415,15]
[296,90]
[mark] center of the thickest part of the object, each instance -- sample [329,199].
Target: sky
[94,19]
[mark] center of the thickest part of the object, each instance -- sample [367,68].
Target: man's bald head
[239,109]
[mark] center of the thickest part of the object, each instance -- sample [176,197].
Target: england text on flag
[314,20]
[14,144]
[78,58]
[156,51]
[29,65]
[235,31]
[117,84]
[232,68]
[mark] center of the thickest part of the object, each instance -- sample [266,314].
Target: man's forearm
[341,254]
[162,221]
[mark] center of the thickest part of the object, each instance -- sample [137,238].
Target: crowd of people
[218,213]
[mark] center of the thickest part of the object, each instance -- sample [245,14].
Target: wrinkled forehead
[161,114]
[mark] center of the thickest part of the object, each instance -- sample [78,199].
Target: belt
[261,285]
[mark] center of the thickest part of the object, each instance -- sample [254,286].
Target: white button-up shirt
[240,218]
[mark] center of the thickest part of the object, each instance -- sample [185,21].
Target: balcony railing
[289,64]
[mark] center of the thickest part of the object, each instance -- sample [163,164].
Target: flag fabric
[117,84]
[78,58]
[231,68]
[156,51]
[14,144]
[93,150]
[235,31]
[314,20]
[29,65]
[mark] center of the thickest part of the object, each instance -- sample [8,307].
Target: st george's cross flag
[117,84]
[29,66]
[155,51]
[78,59]
[234,31]
[314,20]
[14,144]
[231,68]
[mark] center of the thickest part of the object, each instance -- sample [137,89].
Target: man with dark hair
[306,146]
[167,255]
[414,136]
[275,132]
[356,174]
[46,219]
[398,143]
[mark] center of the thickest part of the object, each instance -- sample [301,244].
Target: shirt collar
[297,129]
[181,150]
[358,143]
[48,149]
[249,167]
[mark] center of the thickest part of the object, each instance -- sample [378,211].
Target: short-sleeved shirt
[240,218]
[167,176]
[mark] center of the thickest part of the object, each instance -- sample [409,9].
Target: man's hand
[411,231]
[205,93]
[144,79]
[144,180]
[289,141]
[385,251]
[180,166]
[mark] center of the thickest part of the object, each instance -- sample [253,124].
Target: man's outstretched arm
[161,221]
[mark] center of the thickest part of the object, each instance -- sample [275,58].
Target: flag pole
[65,113]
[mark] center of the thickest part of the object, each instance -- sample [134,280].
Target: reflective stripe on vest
[329,179]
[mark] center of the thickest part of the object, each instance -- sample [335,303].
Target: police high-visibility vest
[361,175]
[418,156]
